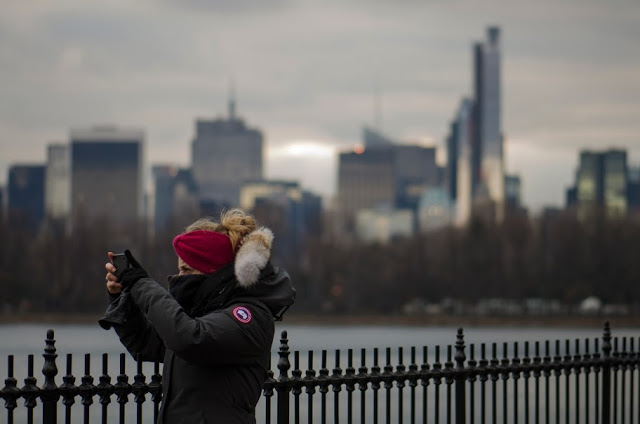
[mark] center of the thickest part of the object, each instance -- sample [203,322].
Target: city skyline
[307,74]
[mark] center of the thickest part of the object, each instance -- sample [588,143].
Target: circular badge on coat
[242,314]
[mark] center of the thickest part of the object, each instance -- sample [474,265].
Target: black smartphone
[121,263]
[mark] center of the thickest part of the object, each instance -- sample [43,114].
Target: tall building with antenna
[475,171]
[225,153]
[488,151]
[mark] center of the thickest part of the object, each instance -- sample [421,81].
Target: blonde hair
[235,223]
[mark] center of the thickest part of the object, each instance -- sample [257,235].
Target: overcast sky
[305,73]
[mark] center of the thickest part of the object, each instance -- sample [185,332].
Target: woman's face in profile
[186,269]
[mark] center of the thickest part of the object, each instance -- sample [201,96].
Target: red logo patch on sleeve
[242,314]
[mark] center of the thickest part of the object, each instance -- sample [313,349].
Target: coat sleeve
[220,337]
[139,337]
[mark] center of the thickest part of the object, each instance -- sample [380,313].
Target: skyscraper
[393,175]
[292,213]
[175,199]
[58,181]
[225,153]
[366,179]
[107,174]
[26,195]
[614,183]
[601,184]
[487,155]
[461,165]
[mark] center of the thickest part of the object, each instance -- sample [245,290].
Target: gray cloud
[307,70]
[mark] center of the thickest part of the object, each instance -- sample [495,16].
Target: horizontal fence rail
[571,381]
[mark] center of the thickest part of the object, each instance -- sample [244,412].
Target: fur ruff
[252,256]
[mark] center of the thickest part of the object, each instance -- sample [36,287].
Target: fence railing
[583,381]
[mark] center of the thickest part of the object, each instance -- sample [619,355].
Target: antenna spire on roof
[232,99]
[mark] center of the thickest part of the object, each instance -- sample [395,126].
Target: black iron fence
[571,381]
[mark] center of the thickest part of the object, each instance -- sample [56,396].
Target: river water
[20,340]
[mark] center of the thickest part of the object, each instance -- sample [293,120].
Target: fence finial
[460,357]
[10,391]
[283,390]
[606,340]
[50,393]
[283,361]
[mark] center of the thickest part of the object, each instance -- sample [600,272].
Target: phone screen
[121,263]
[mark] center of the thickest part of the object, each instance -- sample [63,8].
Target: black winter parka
[214,364]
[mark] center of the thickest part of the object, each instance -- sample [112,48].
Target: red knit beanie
[206,251]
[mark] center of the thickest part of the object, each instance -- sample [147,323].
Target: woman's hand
[113,286]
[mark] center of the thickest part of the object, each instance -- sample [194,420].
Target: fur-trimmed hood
[252,256]
[257,278]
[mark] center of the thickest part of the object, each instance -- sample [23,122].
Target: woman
[214,327]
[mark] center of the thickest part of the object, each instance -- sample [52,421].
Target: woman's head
[207,245]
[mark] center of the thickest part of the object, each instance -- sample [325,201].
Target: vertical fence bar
[437,376]
[537,372]
[606,374]
[30,391]
[471,378]
[515,375]
[557,372]
[505,376]
[494,378]
[484,376]
[68,390]
[363,383]
[375,384]
[350,386]
[576,369]
[310,386]
[50,393]
[283,379]
[104,388]
[615,368]
[413,383]
[448,368]
[337,385]
[623,368]
[387,378]
[424,381]
[87,389]
[632,367]
[400,372]
[139,389]
[596,378]
[567,382]
[586,358]
[547,375]
[268,388]
[526,373]
[10,391]
[460,379]
[155,388]
[296,389]
[122,388]
[324,387]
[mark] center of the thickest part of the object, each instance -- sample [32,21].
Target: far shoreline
[578,321]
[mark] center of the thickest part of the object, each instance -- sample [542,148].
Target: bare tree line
[553,258]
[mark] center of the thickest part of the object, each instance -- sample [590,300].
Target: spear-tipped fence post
[460,379]
[50,392]
[282,386]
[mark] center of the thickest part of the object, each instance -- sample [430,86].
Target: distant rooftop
[106,132]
